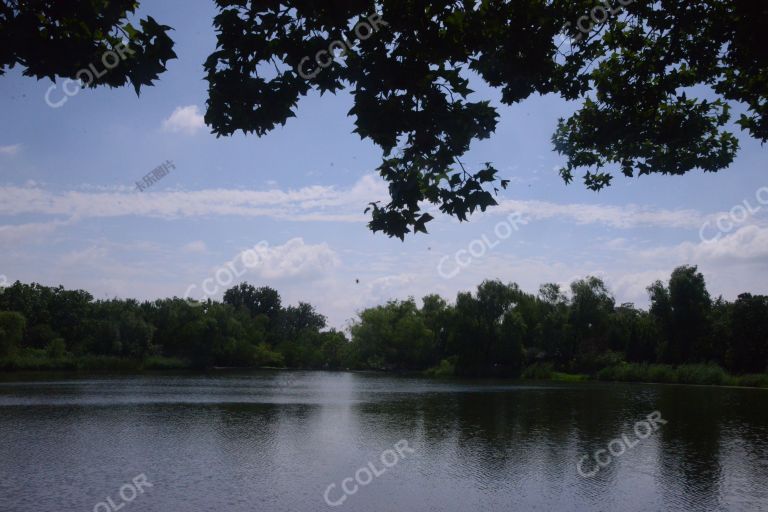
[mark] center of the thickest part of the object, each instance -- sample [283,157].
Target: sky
[71,214]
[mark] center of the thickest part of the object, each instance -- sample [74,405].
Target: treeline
[43,327]
[500,329]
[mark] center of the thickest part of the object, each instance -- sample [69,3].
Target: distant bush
[538,371]
[593,363]
[56,349]
[31,359]
[111,363]
[621,372]
[634,372]
[701,374]
[446,368]
[545,371]
[705,374]
[164,363]
[264,356]
[663,373]
[569,377]
[754,380]
[12,327]
[53,357]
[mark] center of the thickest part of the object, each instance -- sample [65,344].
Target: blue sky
[70,213]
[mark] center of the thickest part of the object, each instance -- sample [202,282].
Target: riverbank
[31,360]
[699,374]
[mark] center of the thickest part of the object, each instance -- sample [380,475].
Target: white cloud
[746,243]
[308,204]
[312,203]
[314,272]
[187,120]
[10,150]
[623,217]
[632,287]
[292,259]
[36,231]
[198,246]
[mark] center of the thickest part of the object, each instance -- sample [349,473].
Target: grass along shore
[701,374]
[33,360]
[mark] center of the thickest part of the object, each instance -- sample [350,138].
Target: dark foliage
[250,328]
[496,331]
[655,80]
[500,329]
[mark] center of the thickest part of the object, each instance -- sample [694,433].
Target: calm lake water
[276,441]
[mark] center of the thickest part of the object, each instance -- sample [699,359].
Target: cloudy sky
[70,212]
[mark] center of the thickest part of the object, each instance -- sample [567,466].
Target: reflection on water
[275,440]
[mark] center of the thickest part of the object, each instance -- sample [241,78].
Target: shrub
[701,374]
[446,368]
[569,377]
[754,380]
[165,363]
[683,374]
[264,356]
[111,363]
[662,373]
[538,371]
[593,363]
[12,327]
[56,349]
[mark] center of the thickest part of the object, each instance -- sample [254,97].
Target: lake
[312,441]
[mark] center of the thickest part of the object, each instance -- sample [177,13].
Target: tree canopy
[53,326]
[497,330]
[655,81]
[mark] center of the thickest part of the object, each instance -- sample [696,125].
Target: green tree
[437,313]
[661,312]
[295,319]
[258,301]
[590,315]
[749,345]
[640,334]
[553,329]
[40,335]
[486,331]
[683,311]
[12,325]
[393,336]
[721,331]
[508,356]
[335,350]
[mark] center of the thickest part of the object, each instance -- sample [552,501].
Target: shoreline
[84,366]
